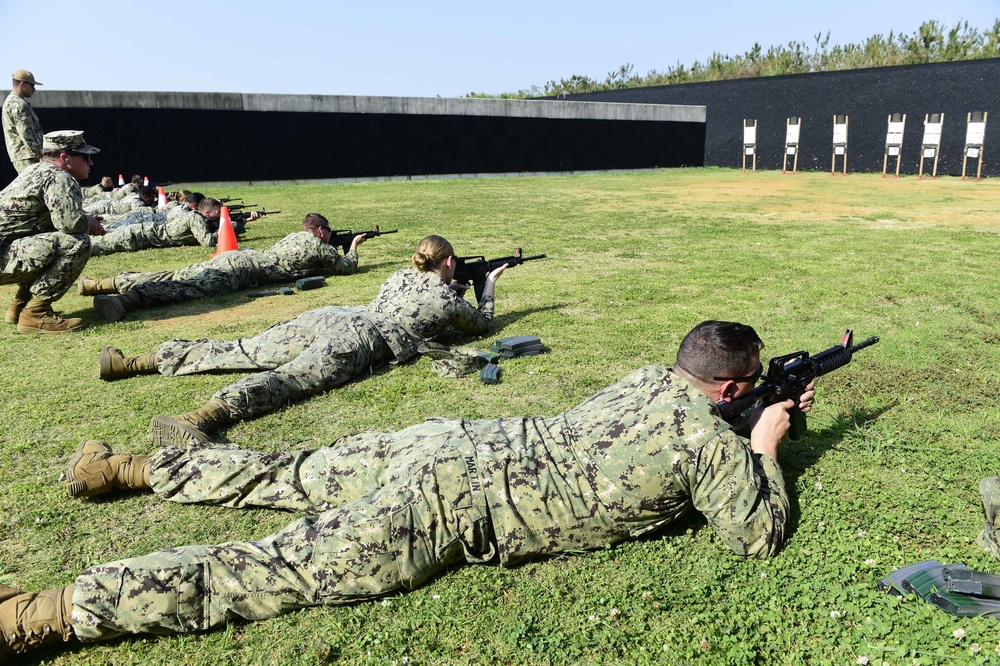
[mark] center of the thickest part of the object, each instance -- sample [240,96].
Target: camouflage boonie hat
[454,361]
[990,490]
[70,141]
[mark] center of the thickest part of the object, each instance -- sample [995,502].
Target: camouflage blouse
[632,458]
[41,199]
[413,306]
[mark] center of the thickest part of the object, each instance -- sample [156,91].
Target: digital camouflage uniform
[988,539]
[387,511]
[189,228]
[161,215]
[22,132]
[43,231]
[92,191]
[123,206]
[324,348]
[295,256]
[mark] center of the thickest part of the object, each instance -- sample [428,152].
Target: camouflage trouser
[224,274]
[50,262]
[392,510]
[112,222]
[314,352]
[988,539]
[132,238]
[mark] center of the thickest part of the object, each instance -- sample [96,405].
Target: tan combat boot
[29,620]
[95,470]
[38,317]
[190,428]
[113,364]
[114,308]
[21,299]
[88,287]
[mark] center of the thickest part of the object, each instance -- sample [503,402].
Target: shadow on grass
[797,457]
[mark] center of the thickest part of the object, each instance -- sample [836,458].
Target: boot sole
[104,368]
[167,432]
[111,310]
[21,328]
[76,488]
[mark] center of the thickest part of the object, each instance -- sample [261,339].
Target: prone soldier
[318,350]
[298,255]
[386,512]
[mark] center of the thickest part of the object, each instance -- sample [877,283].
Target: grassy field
[887,476]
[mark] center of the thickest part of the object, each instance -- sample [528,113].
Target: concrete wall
[250,138]
[867,96]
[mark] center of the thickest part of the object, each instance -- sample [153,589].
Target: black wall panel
[206,145]
[867,96]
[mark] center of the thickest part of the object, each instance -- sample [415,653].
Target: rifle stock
[787,377]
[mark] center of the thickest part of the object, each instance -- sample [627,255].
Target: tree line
[932,42]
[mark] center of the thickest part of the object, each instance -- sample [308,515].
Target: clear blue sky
[445,48]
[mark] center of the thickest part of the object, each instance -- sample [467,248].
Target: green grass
[886,477]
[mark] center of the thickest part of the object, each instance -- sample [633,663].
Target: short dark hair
[147,191]
[719,349]
[208,205]
[313,220]
[194,198]
[136,180]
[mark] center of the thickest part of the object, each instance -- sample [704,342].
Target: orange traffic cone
[161,197]
[145,181]
[121,180]
[227,237]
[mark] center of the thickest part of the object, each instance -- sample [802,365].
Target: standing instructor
[21,130]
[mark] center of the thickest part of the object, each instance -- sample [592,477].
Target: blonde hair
[431,251]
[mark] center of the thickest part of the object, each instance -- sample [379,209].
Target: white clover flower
[613,612]
[404,660]
[763,575]
[834,614]
[959,634]
[647,595]
[976,648]
[385,602]
[436,596]
[822,524]
[862,659]
[862,534]
[594,618]
[819,485]
[870,562]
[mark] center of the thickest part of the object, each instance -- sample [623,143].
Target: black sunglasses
[749,378]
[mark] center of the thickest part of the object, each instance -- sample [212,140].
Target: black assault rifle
[343,237]
[473,270]
[787,377]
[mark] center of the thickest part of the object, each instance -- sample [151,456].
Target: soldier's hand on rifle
[497,272]
[459,288]
[254,215]
[358,240]
[772,425]
[94,226]
[806,401]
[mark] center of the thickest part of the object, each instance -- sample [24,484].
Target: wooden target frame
[793,131]
[931,145]
[750,143]
[894,140]
[975,133]
[839,143]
